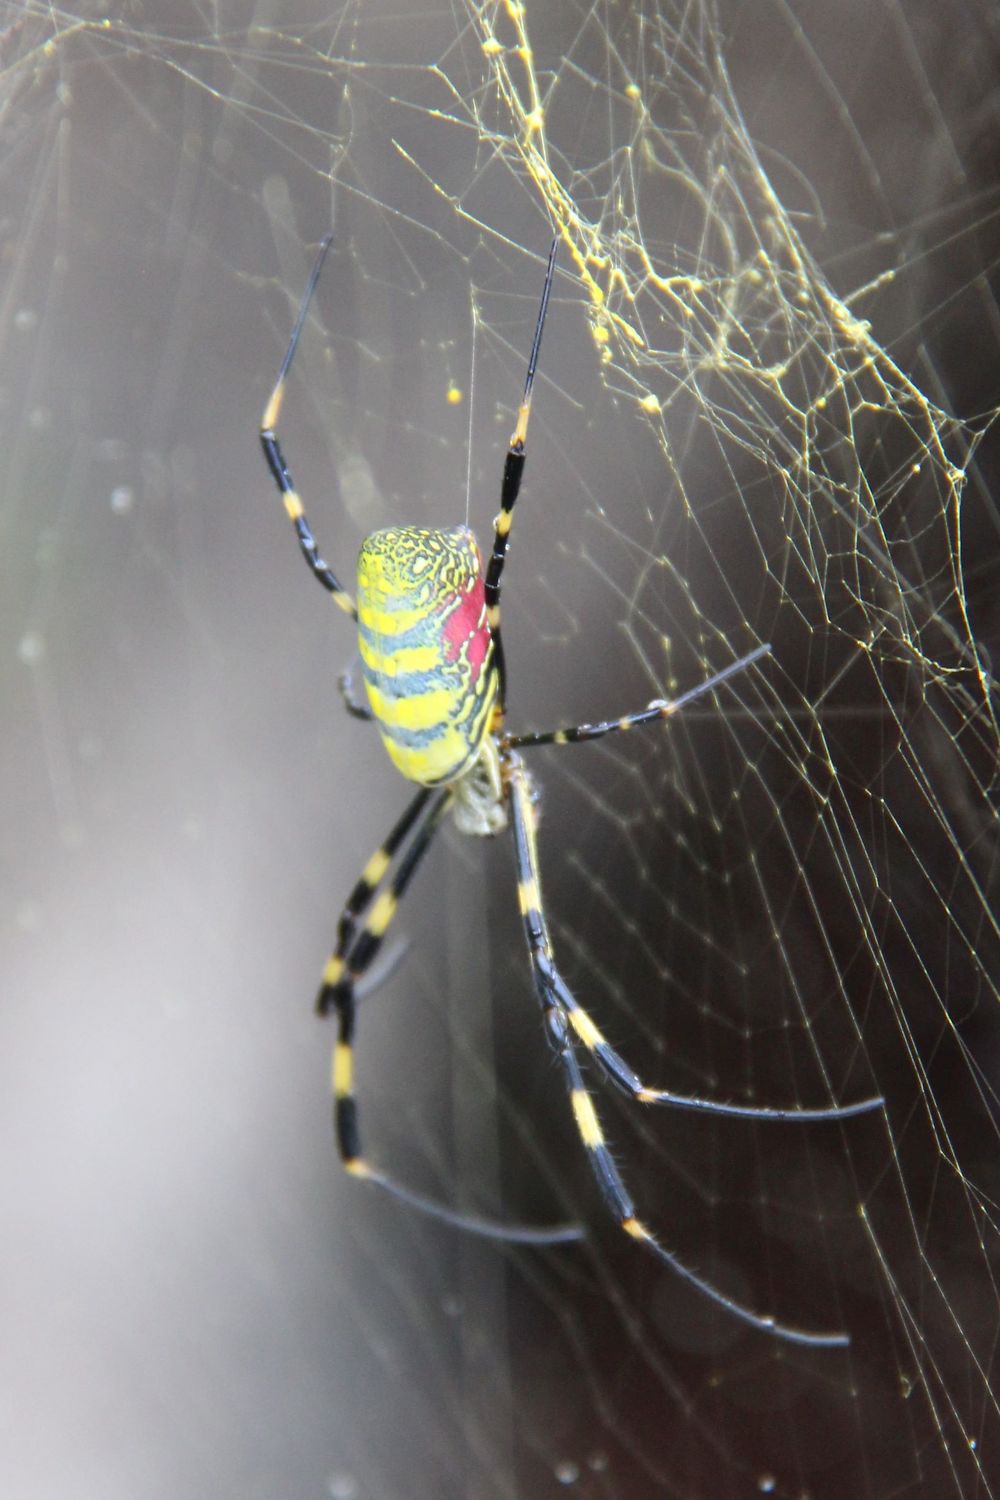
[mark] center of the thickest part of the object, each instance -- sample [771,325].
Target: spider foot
[764,1322]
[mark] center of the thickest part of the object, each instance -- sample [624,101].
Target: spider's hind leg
[358,902]
[354,953]
[558,1013]
[617,1071]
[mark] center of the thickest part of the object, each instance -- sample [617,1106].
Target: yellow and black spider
[428,620]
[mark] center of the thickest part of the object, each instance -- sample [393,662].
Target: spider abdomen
[426,648]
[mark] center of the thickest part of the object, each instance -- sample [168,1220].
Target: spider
[428,621]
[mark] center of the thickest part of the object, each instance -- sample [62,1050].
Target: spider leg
[355,952]
[276,459]
[661,708]
[345,685]
[552,993]
[610,1062]
[616,1069]
[511,486]
[361,897]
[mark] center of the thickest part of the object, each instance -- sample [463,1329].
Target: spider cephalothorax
[428,622]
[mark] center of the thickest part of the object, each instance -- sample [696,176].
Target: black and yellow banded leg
[361,896]
[342,973]
[552,996]
[608,1060]
[617,1071]
[340,996]
[662,708]
[276,459]
[357,1165]
[510,487]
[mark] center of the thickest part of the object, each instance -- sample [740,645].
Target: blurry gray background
[194,1301]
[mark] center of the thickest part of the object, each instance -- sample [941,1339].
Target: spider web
[764,413]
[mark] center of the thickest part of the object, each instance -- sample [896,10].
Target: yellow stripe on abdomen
[426,650]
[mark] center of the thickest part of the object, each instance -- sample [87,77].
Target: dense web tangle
[756,421]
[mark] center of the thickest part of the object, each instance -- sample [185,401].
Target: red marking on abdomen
[465,625]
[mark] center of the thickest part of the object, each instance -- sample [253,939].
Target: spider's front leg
[510,487]
[276,460]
